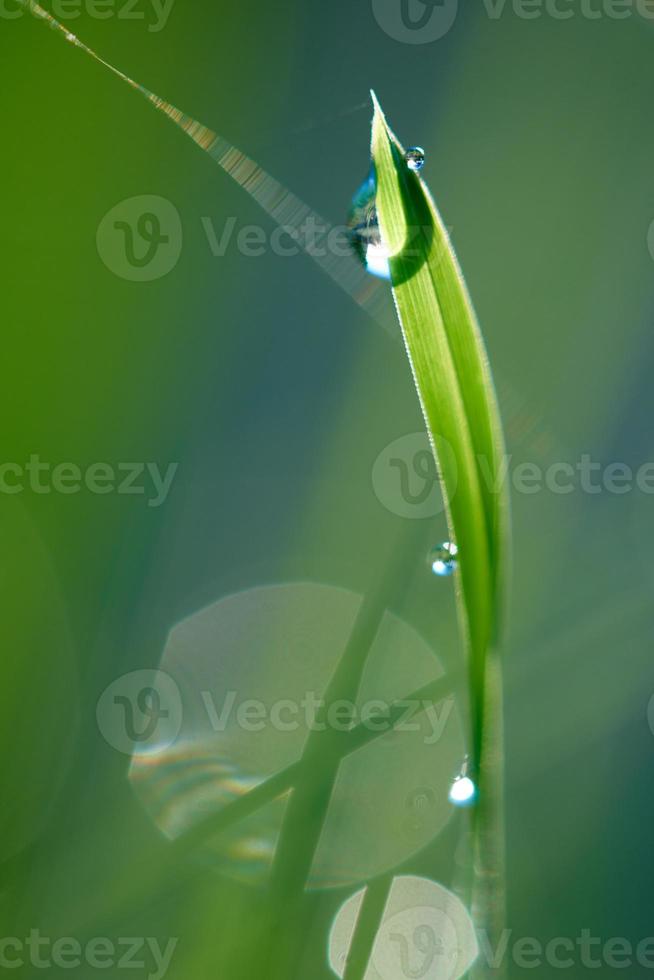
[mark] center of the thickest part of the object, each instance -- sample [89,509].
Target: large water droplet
[442,558]
[364,231]
[415,158]
[463,791]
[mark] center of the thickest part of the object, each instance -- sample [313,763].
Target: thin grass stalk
[454,385]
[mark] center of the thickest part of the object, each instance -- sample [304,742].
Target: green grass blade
[453,381]
[457,396]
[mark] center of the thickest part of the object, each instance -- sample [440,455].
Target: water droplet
[463,791]
[364,229]
[442,558]
[415,158]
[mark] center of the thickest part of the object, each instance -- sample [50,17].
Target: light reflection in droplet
[364,232]
[463,791]
[415,158]
[443,559]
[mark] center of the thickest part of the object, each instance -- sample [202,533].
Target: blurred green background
[275,395]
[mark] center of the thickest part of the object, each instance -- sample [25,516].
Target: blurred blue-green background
[274,394]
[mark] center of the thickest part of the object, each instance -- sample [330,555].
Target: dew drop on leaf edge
[363,229]
[443,559]
[463,791]
[415,158]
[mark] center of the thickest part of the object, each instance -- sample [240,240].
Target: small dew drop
[463,791]
[415,158]
[363,230]
[443,560]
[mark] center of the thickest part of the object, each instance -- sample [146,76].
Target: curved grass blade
[455,388]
